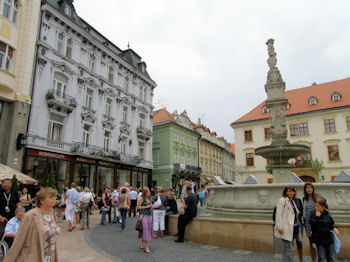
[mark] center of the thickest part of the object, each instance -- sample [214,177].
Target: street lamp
[21,141]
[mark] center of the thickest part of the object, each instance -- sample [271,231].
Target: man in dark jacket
[9,201]
[190,207]
[298,231]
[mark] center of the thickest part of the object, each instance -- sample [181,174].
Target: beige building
[318,116]
[19,23]
[215,157]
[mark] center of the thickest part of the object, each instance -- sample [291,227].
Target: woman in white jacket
[286,215]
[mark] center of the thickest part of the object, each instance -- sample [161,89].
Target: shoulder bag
[138,226]
[158,203]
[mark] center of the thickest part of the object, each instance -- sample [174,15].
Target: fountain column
[280,150]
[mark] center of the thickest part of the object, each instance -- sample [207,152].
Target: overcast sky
[209,56]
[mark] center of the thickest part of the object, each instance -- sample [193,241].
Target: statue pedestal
[282,175]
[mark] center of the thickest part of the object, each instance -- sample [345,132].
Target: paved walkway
[107,243]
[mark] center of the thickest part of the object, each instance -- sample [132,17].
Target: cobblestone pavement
[123,247]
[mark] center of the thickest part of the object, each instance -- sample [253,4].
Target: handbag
[138,225]
[336,242]
[158,203]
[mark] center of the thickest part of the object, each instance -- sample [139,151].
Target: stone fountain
[280,150]
[260,199]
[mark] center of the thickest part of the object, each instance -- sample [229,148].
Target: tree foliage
[315,166]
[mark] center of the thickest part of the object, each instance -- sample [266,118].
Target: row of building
[72,103]
[318,116]
[183,149]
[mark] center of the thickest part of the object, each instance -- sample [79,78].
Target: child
[321,224]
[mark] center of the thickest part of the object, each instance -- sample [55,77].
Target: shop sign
[34,152]
[108,164]
[86,160]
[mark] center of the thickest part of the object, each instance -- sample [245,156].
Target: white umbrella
[8,172]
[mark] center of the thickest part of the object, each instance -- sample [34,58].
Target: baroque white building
[91,116]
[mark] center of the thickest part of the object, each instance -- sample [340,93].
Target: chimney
[199,121]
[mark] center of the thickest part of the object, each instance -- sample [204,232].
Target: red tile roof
[162,115]
[299,100]
[233,148]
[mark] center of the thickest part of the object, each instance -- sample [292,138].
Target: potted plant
[49,96]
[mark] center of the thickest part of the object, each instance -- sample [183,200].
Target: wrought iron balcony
[143,133]
[60,101]
[101,152]
[187,168]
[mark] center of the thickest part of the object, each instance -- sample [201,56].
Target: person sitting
[13,225]
[190,207]
[171,209]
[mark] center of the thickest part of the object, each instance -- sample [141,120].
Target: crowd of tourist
[30,227]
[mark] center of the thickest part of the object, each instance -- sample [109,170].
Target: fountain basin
[277,152]
[260,199]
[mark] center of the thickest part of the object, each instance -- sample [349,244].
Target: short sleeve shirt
[13,200]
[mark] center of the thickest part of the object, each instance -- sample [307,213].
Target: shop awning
[8,172]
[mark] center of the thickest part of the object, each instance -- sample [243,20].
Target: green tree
[315,166]
[51,181]
[15,184]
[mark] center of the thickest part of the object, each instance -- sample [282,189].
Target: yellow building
[211,155]
[318,116]
[19,25]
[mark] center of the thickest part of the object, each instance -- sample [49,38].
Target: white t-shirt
[86,198]
[139,196]
[115,194]
[133,195]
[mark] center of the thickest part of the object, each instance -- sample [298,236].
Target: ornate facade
[91,118]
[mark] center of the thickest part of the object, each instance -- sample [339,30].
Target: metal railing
[60,97]
[189,168]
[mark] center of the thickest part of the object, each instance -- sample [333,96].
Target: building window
[55,127]
[88,98]
[69,48]
[108,107]
[126,84]
[267,133]
[182,158]
[106,140]
[348,122]
[6,55]
[265,110]
[189,159]
[124,145]
[303,129]
[175,136]
[249,159]
[60,42]
[10,10]
[111,74]
[175,157]
[125,114]
[92,63]
[68,10]
[248,137]
[86,135]
[300,129]
[194,161]
[329,125]
[336,97]
[144,95]
[142,150]
[142,120]
[141,93]
[60,85]
[312,101]
[302,160]
[333,153]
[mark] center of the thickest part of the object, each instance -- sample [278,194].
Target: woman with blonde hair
[37,235]
[145,207]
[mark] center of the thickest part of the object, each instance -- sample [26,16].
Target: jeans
[158,220]
[287,250]
[123,213]
[202,200]
[133,207]
[325,251]
[116,218]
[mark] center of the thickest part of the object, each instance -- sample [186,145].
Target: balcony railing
[187,168]
[108,153]
[60,100]
[143,132]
